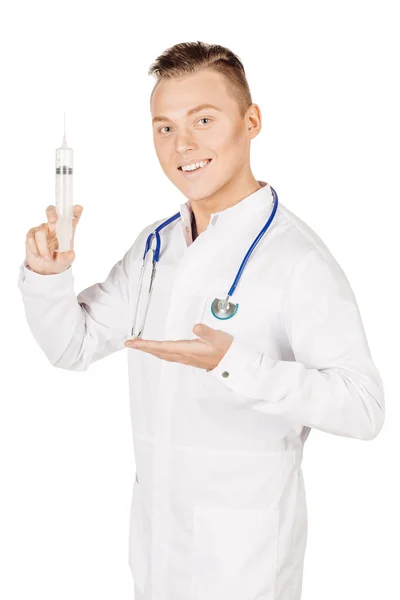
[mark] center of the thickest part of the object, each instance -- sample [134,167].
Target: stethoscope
[221,309]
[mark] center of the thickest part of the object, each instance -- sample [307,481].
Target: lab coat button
[225,374]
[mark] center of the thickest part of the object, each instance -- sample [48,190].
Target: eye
[161,128]
[204,119]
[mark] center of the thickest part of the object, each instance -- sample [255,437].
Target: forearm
[74,331]
[332,384]
[345,400]
[54,316]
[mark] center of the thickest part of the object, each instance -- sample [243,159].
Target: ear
[253,120]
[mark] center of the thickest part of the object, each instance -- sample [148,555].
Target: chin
[201,191]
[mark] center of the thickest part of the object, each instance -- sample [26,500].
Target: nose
[184,142]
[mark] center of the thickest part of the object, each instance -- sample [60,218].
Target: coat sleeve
[74,331]
[333,384]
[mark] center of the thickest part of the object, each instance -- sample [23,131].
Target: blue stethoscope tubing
[221,309]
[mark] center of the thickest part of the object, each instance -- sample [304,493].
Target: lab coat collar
[258,200]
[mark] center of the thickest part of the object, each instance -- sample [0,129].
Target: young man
[221,407]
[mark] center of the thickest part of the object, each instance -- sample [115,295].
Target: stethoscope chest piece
[223,309]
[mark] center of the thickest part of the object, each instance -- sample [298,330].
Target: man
[220,408]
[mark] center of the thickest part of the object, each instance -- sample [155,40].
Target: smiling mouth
[196,170]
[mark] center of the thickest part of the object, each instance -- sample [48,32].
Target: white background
[325,76]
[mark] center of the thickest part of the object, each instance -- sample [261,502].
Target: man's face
[219,135]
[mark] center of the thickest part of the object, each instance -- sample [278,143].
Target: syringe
[64,200]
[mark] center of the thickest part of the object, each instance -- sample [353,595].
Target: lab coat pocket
[137,555]
[235,553]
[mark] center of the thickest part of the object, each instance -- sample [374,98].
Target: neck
[234,190]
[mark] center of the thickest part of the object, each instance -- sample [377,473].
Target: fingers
[36,241]
[77,215]
[51,214]
[41,242]
[30,243]
[78,210]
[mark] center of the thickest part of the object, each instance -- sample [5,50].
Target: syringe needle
[65,139]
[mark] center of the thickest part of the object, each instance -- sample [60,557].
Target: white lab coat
[218,506]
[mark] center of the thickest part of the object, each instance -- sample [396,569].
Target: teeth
[194,166]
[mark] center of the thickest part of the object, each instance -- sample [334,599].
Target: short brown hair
[188,57]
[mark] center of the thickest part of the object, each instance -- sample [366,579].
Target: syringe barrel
[64,197]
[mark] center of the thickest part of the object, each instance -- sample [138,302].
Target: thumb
[66,258]
[203,331]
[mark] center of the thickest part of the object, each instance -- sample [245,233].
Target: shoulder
[309,261]
[297,240]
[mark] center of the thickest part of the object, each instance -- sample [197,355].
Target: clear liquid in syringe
[64,195]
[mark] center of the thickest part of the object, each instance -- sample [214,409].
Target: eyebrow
[191,111]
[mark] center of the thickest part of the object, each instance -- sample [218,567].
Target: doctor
[221,408]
